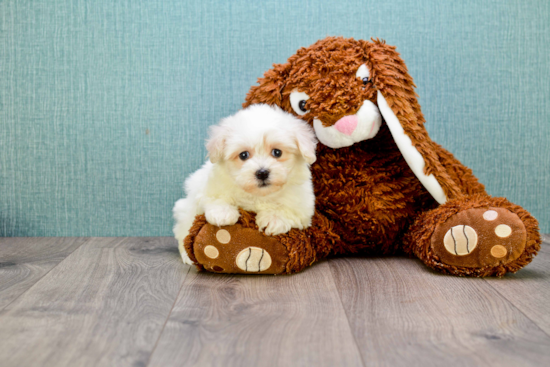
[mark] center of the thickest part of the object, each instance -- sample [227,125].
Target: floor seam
[45,274]
[544,244]
[345,313]
[167,318]
[517,308]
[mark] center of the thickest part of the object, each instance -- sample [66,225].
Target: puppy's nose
[262,174]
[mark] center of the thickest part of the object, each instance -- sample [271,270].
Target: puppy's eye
[366,80]
[298,102]
[276,153]
[244,156]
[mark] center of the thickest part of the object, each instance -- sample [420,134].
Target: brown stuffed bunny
[382,185]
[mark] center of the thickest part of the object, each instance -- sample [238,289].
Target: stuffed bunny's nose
[347,124]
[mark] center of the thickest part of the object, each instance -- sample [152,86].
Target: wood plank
[24,260]
[402,313]
[529,288]
[225,320]
[104,305]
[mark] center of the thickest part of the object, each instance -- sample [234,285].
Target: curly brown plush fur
[368,198]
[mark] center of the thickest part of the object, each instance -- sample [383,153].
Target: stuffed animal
[382,185]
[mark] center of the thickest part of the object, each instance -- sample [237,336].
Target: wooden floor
[131,302]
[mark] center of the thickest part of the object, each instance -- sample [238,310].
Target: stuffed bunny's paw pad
[478,237]
[236,249]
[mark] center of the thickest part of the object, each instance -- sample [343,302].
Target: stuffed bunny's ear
[412,156]
[398,105]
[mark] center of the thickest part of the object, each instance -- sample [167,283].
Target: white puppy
[259,161]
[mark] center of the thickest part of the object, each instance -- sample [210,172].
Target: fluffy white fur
[283,201]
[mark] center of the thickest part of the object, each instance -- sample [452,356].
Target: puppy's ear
[270,88]
[398,105]
[306,142]
[216,142]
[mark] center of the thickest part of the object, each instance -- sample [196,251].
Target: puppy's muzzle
[262,175]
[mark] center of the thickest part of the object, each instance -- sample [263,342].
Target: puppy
[259,161]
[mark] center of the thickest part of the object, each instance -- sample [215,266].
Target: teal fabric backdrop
[104,106]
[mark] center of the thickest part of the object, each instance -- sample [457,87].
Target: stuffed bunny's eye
[363,74]
[298,102]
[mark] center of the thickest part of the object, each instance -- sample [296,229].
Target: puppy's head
[262,148]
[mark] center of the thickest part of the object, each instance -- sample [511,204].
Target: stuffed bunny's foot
[475,236]
[480,237]
[236,249]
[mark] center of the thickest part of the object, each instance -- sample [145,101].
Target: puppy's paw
[183,253]
[273,224]
[225,215]
[185,258]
